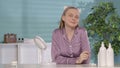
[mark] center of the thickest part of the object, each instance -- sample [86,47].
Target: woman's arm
[85,45]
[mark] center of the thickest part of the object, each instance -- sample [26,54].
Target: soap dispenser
[110,56]
[102,55]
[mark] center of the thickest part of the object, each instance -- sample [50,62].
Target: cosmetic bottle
[110,56]
[102,55]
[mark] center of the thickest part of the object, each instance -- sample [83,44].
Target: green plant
[103,24]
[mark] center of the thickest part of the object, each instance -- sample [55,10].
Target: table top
[53,66]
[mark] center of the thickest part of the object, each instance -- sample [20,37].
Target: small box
[10,38]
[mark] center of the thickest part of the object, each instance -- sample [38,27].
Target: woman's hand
[83,56]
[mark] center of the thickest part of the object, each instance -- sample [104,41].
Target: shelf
[24,53]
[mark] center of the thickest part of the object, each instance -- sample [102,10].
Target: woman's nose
[73,18]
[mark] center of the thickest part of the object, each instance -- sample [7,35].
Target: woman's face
[71,18]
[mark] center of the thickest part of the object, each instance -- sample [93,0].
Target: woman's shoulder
[57,30]
[81,29]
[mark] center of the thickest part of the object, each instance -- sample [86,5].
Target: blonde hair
[62,24]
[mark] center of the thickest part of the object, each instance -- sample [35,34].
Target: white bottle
[102,55]
[110,56]
[98,59]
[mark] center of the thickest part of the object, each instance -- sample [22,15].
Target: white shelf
[28,54]
[0,55]
[24,53]
[10,52]
[8,44]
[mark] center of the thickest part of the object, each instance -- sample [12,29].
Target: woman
[70,43]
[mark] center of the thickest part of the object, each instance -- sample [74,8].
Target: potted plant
[103,25]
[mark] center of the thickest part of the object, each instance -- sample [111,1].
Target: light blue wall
[28,18]
[10,17]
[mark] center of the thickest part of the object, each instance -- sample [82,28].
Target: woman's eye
[70,15]
[76,17]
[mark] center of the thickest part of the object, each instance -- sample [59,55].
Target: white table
[53,66]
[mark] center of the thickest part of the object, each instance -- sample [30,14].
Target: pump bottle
[110,56]
[102,55]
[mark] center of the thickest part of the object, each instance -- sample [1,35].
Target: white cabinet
[24,53]
[8,53]
[0,55]
[28,54]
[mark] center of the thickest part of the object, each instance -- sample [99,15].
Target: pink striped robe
[65,52]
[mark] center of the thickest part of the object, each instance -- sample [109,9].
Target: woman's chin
[73,25]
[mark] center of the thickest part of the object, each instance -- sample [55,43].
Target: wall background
[28,18]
